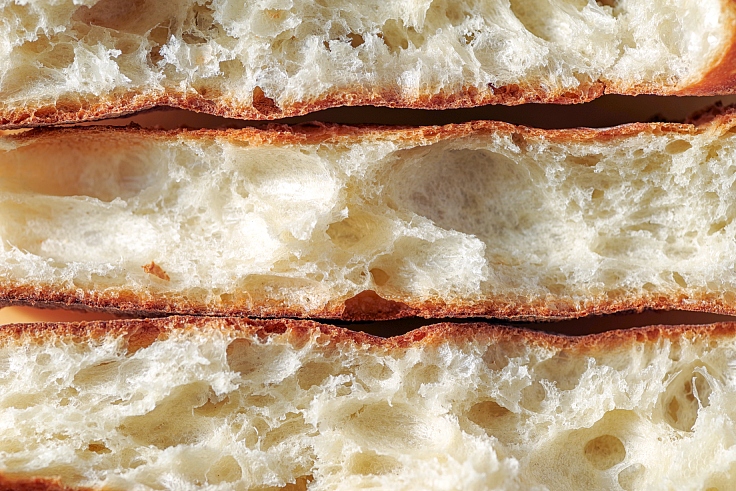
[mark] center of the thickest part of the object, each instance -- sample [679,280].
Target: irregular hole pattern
[218,407]
[688,392]
[238,224]
[60,53]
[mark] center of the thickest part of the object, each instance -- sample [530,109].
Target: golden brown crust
[91,110]
[314,133]
[718,81]
[367,305]
[296,331]
[18,483]
[132,303]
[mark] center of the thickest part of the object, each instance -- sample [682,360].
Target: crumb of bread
[156,270]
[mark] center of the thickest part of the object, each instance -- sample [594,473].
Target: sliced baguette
[65,61]
[479,219]
[212,403]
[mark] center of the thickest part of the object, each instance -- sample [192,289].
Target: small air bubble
[355,39]
[604,452]
[380,277]
[98,447]
[629,478]
[679,279]
[677,146]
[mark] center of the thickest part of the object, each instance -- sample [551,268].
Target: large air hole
[476,192]
[389,426]
[263,363]
[592,457]
[313,373]
[686,394]
[99,374]
[360,232]
[133,16]
[397,37]
[604,452]
[173,421]
[563,370]
[371,463]
[630,478]
[53,168]
[544,18]
[494,419]
[224,470]
[293,426]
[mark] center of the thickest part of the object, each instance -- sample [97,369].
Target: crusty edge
[375,308]
[509,95]
[81,110]
[8,482]
[719,80]
[722,119]
[143,332]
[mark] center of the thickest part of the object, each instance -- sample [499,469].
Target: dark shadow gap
[606,111]
[570,327]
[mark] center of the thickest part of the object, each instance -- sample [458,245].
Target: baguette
[213,403]
[66,61]
[366,223]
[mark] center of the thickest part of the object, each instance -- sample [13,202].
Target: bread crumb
[156,270]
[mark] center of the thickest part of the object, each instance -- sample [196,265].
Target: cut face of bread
[481,219]
[70,60]
[235,404]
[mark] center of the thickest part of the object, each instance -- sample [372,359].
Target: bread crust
[719,119]
[296,331]
[134,303]
[721,77]
[11,483]
[370,306]
[77,111]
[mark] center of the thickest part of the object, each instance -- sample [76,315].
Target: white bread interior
[217,404]
[301,55]
[475,219]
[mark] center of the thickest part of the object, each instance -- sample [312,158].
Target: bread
[205,403]
[477,219]
[64,61]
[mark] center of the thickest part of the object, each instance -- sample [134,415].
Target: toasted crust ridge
[135,330]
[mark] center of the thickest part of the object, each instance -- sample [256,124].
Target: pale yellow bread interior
[69,60]
[475,219]
[233,404]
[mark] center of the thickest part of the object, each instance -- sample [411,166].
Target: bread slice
[477,219]
[211,403]
[67,60]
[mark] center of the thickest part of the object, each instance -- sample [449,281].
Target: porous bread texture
[229,404]
[81,59]
[475,219]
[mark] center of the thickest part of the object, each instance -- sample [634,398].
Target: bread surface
[213,403]
[66,61]
[478,219]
